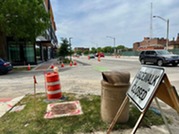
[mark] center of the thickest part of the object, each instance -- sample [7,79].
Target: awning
[44,42]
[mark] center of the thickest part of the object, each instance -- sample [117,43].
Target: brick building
[82,49]
[155,43]
[174,43]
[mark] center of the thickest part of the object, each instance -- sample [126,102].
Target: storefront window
[38,53]
[21,52]
[14,52]
[29,52]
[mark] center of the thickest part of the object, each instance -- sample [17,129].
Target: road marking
[101,69]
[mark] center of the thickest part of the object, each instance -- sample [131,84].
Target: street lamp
[70,47]
[167,21]
[114,39]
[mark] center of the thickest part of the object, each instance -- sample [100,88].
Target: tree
[86,52]
[99,49]
[64,48]
[24,19]
[93,50]
[121,47]
[108,49]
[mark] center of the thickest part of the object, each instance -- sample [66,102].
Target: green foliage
[99,49]
[64,48]
[108,49]
[86,52]
[93,50]
[66,60]
[121,47]
[23,18]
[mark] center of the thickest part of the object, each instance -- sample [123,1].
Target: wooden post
[168,94]
[45,84]
[138,122]
[35,82]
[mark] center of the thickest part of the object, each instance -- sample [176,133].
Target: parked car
[159,57]
[5,66]
[91,56]
[100,54]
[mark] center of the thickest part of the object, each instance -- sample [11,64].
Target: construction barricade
[53,86]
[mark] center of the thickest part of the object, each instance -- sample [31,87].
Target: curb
[7,104]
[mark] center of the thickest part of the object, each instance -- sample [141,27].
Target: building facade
[46,44]
[82,49]
[23,52]
[149,44]
[155,43]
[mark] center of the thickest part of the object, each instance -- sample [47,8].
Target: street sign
[144,86]
[149,83]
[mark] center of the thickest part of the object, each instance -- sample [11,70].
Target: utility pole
[151,22]
[70,47]
[167,37]
[114,41]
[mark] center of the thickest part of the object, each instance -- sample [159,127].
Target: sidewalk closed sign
[144,86]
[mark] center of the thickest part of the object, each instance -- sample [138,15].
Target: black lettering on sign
[147,77]
[139,91]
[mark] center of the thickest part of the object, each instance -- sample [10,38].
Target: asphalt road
[88,72]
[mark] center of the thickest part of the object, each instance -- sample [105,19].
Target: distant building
[82,49]
[155,43]
[149,44]
[46,44]
[174,43]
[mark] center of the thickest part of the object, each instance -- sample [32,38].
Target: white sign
[144,86]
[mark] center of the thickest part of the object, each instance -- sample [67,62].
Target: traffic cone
[99,58]
[28,67]
[74,63]
[62,64]
[71,63]
[52,66]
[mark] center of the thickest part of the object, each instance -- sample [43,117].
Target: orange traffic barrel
[53,86]
[51,77]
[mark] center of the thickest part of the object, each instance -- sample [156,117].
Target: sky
[100,23]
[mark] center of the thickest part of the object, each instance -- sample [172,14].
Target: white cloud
[90,21]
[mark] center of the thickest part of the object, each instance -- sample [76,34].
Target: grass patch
[27,122]
[17,69]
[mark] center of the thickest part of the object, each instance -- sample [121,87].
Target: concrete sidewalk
[7,104]
[46,65]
